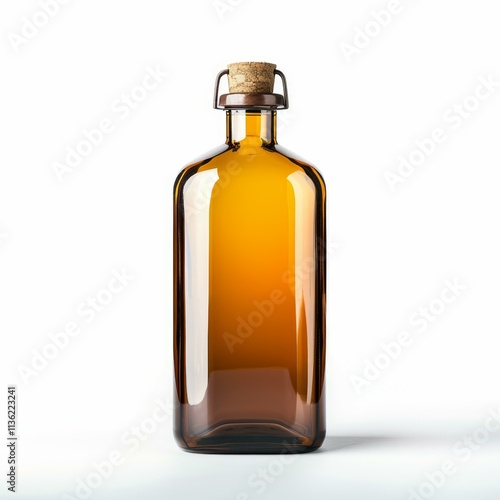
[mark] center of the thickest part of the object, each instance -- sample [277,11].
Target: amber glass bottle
[249,285]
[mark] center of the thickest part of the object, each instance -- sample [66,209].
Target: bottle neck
[255,127]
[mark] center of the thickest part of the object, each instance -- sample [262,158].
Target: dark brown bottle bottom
[250,437]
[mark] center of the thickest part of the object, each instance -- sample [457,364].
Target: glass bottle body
[249,293]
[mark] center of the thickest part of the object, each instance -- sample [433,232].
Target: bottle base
[251,437]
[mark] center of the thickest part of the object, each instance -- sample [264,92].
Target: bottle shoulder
[204,159]
[310,169]
[269,161]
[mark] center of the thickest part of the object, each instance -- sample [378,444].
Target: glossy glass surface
[249,312]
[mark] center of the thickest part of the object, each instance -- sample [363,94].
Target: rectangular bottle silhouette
[249,292]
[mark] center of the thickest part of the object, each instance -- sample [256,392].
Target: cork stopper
[251,78]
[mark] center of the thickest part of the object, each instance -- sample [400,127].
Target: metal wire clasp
[267,101]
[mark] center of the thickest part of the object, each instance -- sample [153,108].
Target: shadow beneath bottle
[335,443]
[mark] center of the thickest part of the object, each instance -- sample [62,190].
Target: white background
[391,250]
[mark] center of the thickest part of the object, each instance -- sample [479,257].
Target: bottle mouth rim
[250,100]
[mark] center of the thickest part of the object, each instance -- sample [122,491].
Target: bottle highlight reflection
[249,315]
